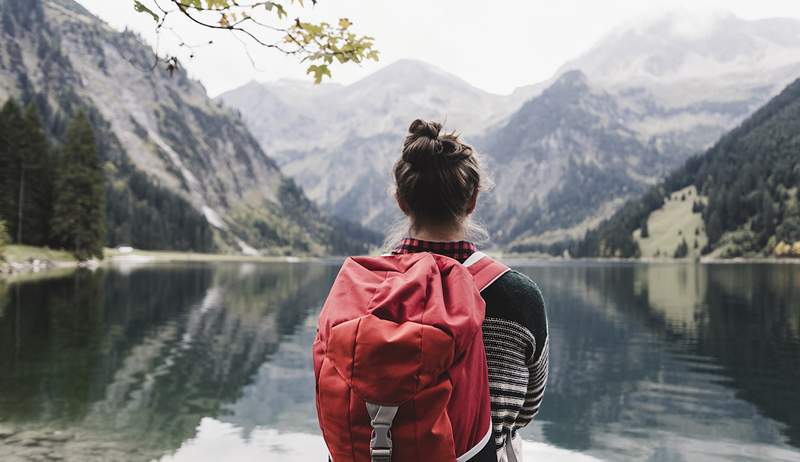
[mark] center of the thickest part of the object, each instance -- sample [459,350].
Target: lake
[209,362]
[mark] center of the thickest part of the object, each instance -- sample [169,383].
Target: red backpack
[399,359]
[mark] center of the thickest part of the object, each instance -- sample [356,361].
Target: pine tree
[79,219]
[4,239]
[682,250]
[645,230]
[34,201]
[767,214]
[11,128]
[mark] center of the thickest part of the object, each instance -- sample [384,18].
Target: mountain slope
[562,158]
[157,127]
[751,178]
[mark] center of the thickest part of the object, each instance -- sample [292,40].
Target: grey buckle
[380,444]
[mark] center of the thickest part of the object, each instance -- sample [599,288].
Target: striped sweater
[517,350]
[515,335]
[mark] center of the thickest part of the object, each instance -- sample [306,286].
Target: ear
[473,201]
[401,203]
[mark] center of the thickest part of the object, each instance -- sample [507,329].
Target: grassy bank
[21,254]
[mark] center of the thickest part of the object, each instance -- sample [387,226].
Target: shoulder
[515,297]
[515,285]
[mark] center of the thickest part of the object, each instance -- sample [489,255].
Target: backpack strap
[381,418]
[484,269]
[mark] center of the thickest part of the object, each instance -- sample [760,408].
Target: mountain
[748,193]
[674,84]
[339,142]
[563,161]
[565,153]
[165,143]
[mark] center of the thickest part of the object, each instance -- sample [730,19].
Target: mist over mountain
[692,77]
[157,131]
[680,46]
[565,153]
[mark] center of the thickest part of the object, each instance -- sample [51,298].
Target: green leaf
[217,4]
[278,9]
[138,6]
[319,71]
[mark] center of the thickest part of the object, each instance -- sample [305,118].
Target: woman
[437,181]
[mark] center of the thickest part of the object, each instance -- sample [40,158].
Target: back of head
[437,176]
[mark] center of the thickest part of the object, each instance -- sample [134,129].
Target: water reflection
[136,361]
[673,362]
[212,362]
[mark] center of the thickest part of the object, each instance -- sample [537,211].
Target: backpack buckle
[380,443]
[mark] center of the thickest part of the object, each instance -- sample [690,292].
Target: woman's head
[437,178]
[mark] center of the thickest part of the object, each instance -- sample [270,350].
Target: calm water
[200,363]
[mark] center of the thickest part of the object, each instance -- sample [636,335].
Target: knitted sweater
[515,335]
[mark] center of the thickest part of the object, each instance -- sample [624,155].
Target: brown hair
[437,175]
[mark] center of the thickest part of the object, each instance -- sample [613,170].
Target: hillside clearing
[672,223]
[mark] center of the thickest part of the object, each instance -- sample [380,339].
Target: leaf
[216,4]
[281,12]
[223,20]
[139,7]
[319,71]
[344,23]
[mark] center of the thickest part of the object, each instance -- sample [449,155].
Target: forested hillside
[180,172]
[751,178]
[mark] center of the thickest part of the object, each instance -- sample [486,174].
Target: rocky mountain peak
[572,83]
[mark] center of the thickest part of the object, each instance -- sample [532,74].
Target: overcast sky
[496,45]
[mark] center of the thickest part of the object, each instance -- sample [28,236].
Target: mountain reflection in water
[662,362]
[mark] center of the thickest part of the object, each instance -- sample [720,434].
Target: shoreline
[24,260]
[702,261]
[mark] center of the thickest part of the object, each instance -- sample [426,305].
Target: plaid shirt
[457,250]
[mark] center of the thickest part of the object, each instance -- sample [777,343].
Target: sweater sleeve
[537,382]
[535,316]
[517,345]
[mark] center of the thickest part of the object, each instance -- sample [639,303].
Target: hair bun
[422,146]
[420,127]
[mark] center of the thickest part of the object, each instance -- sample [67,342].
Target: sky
[495,45]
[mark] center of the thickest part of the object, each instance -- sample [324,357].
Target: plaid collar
[457,250]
